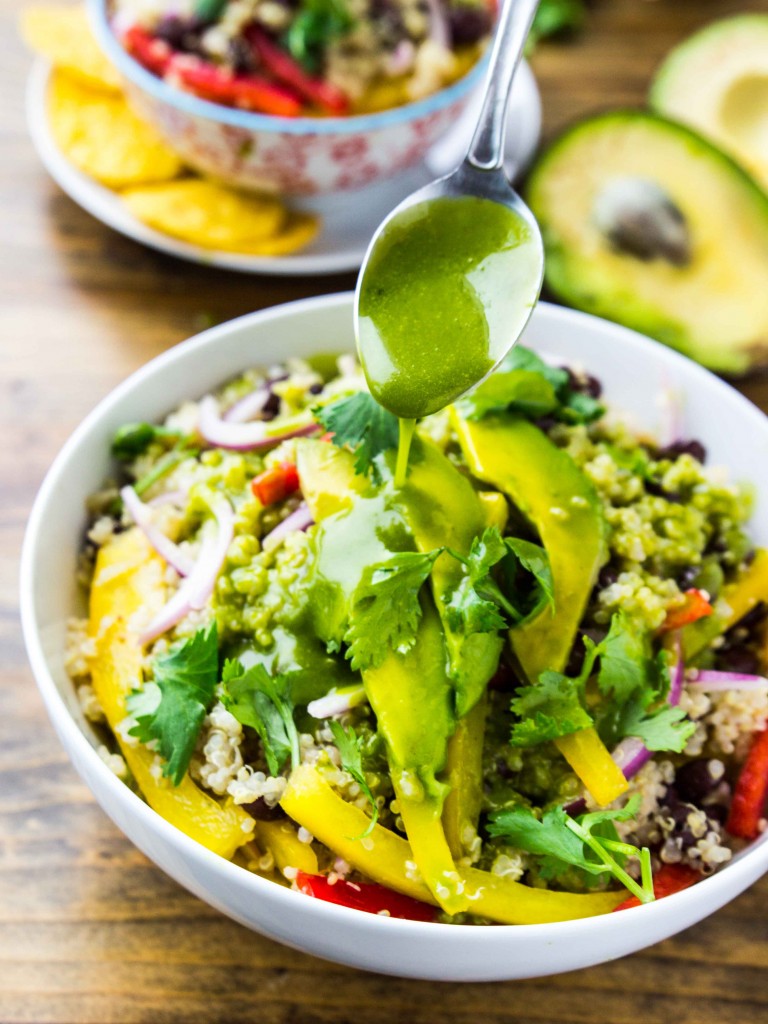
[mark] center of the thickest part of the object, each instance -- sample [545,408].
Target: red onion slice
[248,406]
[169,498]
[198,586]
[631,753]
[439,32]
[244,436]
[336,702]
[300,519]
[164,546]
[713,681]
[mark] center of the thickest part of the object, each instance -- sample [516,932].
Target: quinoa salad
[306,57]
[526,686]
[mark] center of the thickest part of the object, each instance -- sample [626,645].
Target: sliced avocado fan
[717,82]
[648,224]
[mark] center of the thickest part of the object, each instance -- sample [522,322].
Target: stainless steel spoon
[481,175]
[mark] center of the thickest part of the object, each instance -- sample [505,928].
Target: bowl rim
[749,863]
[255,122]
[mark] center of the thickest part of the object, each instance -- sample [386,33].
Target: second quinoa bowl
[279,777]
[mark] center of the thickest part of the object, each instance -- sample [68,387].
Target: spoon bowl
[452,275]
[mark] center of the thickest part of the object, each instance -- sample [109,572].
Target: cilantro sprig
[350,748]
[526,385]
[385,609]
[633,682]
[262,702]
[363,426]
[170,709]
[478,604]
[588,842]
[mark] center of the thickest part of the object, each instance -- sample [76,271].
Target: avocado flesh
[713,308]
[717,82]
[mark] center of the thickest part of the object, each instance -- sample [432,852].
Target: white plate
[349,218]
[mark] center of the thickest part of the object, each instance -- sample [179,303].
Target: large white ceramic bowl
[634,371]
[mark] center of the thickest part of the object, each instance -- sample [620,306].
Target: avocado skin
[735,357]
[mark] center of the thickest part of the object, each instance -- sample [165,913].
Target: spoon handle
[486,150]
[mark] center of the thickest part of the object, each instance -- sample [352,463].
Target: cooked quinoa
[673,527]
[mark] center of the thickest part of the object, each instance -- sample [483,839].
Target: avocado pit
[639,219]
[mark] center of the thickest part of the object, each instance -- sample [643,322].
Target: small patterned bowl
[292,156]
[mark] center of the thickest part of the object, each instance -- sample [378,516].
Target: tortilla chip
[63,36]
[209,215]
[298,231]
[102,136]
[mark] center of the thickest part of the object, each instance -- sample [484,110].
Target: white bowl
[634,372]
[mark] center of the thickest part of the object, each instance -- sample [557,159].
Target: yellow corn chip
[63,36]
[298,231]
[207,214]
[102,136]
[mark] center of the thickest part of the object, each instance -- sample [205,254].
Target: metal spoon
[481,175]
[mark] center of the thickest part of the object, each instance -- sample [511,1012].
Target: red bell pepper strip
[276,483]
[249,92]
[367,896]
[751,791]
[153,54]
[669,879]
[280,64]
[696,607]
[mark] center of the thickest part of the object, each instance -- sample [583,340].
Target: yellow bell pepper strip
[547,486]
[279,838]
[410,693]
[464,766]
[388,859]
[495,508]
[442,509]
[128,578]
[736,600]
[413,701]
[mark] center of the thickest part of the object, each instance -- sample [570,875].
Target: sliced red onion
[709,679]
[401,59]
[169,498]
[198,586]
[249,406]
[631,753]
[439,30]
[300,519]
[244,436]
[164,546]
[336,702]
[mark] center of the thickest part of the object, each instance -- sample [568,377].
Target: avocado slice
[717,82]
[648,224]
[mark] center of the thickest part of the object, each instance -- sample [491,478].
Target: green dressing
[447,290]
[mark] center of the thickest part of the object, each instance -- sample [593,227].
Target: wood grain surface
[90,931]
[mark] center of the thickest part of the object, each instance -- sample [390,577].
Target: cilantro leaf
[589,842]
[362,425]
[549,708]
[385,610]
[535,560]
[171,709]
[315,25]
[133,439]
[665,728]
[555,17]
[624,660]
[474,605]
[515,390]
[261,702]
[526,385]
[350,748]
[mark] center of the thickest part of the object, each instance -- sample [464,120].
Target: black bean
[315,389]
[607,576]
[686,577]
[693,781]
[468,24]
[739,659]
[678,448]
[261,810]
[502,769]
[271,407]
[576,807]
[755,616]
[592,386]
[241,56]
[546,423]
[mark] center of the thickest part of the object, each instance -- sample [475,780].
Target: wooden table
[90,931]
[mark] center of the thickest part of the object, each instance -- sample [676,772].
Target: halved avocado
[647,224]
[717,82]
